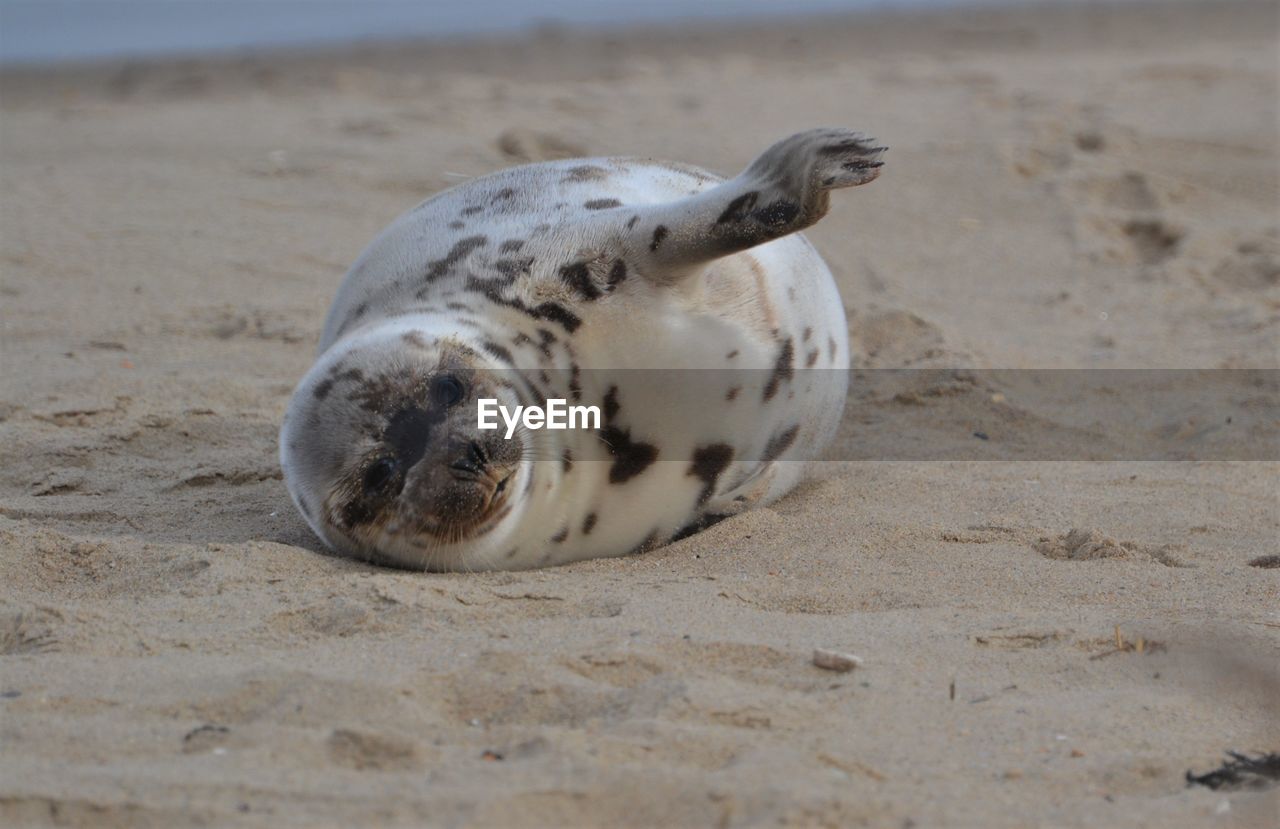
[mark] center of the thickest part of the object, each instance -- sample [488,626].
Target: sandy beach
[1080,187]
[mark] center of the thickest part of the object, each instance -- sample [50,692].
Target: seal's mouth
[491,483]
[475,505]
[498,493]
[480,499]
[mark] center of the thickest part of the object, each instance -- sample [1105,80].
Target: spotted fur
[530,283]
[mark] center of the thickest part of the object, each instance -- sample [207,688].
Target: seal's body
[685,308]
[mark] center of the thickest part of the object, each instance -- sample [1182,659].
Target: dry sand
[1088,188]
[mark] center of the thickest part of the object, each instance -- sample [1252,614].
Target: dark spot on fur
[497,351]
[556,313]
[602,204]
[611,405]
[782,369]
[503,194]
[575,381]
[360,311]
[461,250]
[731,354]
[707,464]
[630,457]
[808,332]
[589,524]
[414,338]
[578,277]
[457,306]
[490,287]
[560,536]
[732,392]
[323,388]
[457,225]
[632,221]
[778,214]
[617,273]
[831,347]
[408,432]
[406,436]
[521,338]
[811,359]
[511,245]
[550,311]
[472,210]
[780,443]
[586,172]
[546,339]
[739,208]
[386,393]
[659,233]
[511,268]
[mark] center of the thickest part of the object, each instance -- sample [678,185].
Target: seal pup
[686,308]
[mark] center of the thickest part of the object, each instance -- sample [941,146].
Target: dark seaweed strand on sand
[1241,772]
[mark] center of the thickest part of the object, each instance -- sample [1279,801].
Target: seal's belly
[719,393]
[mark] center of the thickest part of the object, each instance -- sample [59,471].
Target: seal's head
[382,452]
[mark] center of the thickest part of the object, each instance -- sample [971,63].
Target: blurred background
[42,31]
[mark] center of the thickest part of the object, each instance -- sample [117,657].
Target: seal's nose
[472,460]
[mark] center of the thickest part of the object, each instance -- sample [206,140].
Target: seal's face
[382,453]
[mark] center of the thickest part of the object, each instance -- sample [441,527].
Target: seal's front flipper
[783,191]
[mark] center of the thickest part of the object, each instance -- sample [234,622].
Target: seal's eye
[446,390]
[378,477]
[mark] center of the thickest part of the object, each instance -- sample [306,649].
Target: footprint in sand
[1254,265]
[1092,545]
[27,632]
[523,144]
[1117,216]
[1119,220]
[896,339]
[364,751]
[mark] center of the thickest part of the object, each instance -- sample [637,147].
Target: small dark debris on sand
[203,730]
[1241,772]
[1266,562]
